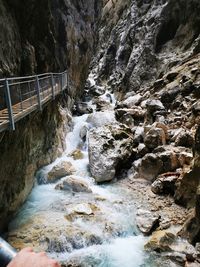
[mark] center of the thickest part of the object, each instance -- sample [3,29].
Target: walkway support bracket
[38,93]
[9,105]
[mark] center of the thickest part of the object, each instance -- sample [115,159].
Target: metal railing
[19,96]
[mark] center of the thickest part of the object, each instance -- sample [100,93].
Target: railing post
[9,105]
[52,85]
[67,81]
[38,93]
[61,82]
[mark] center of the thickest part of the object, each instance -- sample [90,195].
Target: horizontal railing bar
[19,83]
[33,76]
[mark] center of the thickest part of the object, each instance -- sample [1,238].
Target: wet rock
[96,90]
[81,209]
[176,257]
[191,228]
[102,103]
[83,108]
[164,159]
[135,114]
[142,150]
[154,105]
[99,119]
[165,183]
[150,166]
[83,132]
[192,264]
[132,101]
[53,232]
[171,76]
[188,183]
[154,137]
[74,184]
[77,154]
[138,135]
[154,108]
[169,96]
[61,170]
[184,139]
[196,108]
[160,241]
[110,148]
[146,221]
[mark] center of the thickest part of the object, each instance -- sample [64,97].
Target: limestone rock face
[132,101]
[99,119]
[110,148]
[136,40]
[68,42]
[37,141]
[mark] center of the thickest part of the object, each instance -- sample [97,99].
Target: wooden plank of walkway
[25,107]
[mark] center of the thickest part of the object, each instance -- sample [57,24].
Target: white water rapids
[124,247]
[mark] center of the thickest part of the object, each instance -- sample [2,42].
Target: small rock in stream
[59,171]
[147,221]
[74,184]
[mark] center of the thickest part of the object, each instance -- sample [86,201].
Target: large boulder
[82,108]
[165,183]
[132,101]
[164,159]
[176,250]
[154,107]
[155,137]
[59,171]
[184,139]
[149,166]
[137,114]
[99,119]
[110,149]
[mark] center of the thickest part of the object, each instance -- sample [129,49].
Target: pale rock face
[109,148]
[99,119]
[132,101]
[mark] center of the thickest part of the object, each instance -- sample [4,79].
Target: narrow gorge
[107,174]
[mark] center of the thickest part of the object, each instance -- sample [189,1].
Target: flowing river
[103,232]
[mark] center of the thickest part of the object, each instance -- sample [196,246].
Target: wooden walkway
[55,84]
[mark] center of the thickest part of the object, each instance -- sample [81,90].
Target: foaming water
[73,139]
[126,252]
[121,245]
[40,199]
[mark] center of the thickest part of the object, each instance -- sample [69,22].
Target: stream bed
[94,228]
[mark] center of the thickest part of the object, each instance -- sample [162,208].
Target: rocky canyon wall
[148,55]
[37,37]
[140,40]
